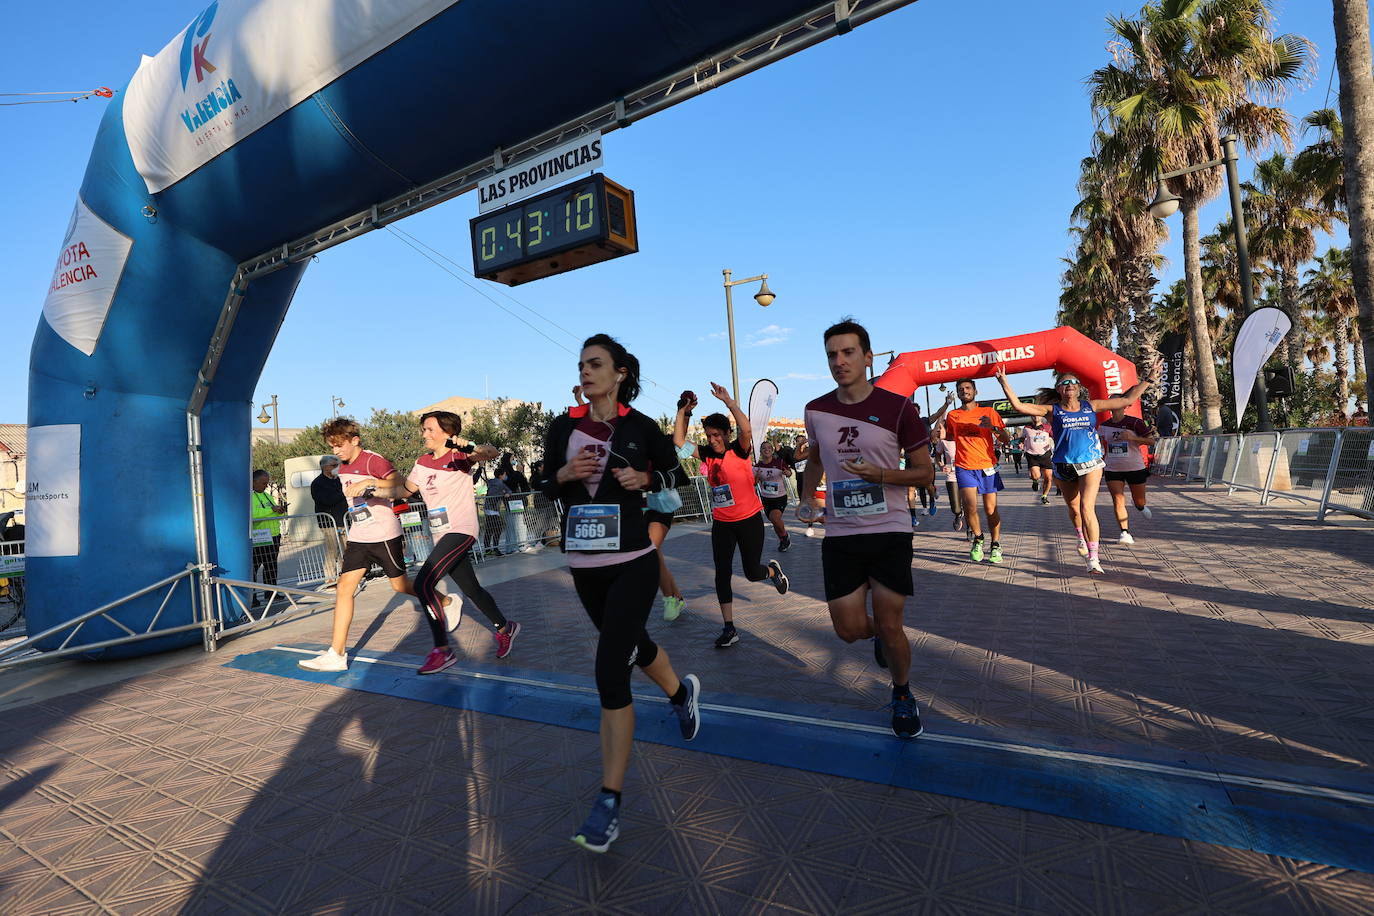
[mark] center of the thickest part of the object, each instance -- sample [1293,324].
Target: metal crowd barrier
[307,559]
[11,589]
[1332,467]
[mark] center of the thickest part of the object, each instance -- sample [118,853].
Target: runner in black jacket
[600,458]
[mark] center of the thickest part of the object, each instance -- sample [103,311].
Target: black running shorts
[663,518]
[774,502]
[1040,461]
[850,560]
[389,555]
[1134,478]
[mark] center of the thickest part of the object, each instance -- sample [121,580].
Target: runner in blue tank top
[1078,458]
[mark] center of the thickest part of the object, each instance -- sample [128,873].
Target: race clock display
[588,221]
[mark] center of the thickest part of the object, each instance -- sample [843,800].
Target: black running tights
[748,534]
[618,600]
[452,557]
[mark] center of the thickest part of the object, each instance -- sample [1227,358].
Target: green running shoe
[995,555]
[976,551]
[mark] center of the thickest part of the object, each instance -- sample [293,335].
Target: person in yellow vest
[265,532]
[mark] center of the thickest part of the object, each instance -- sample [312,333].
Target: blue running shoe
[906,720]
[601,826]
[689,713]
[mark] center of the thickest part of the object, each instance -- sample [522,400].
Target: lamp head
[264,417]
[764,296]
[1165,203]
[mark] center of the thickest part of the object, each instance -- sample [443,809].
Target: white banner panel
[241,63]
[540,171]
[761,400]
[85,279]
[1255,343]
[52,504]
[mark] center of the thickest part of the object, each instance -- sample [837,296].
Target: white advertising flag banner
[1255,343]
[542,170]
[52,504]
[761,401]
[85,279]
[241,63]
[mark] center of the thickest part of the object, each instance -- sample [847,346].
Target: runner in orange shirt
[973,429]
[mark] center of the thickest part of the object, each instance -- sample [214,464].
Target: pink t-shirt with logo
[594,436]
[1119,453]
[372,518]
[880,429]
[445,483]
[772,478]
[1036,441]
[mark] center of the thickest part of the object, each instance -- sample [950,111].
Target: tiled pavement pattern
[1226,629]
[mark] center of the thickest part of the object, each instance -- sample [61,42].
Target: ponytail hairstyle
[622,360]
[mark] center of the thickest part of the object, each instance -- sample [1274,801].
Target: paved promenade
[1192,732]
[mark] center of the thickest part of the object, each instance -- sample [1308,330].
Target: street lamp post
[335,404]
[1165,205]
[263,418]
[763,297]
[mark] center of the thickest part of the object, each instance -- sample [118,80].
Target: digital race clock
[578,224]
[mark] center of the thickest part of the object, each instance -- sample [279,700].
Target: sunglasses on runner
[1066,381]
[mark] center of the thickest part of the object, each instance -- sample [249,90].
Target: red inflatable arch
[1062,349]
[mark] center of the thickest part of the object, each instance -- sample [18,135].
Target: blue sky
[916,173]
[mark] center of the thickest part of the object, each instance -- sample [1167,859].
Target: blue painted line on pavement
[1329,824]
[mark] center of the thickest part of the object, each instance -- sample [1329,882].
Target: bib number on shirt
[1118,448]
[593,527]
[721,497]
[359,514]
[1083,467]
[261,535]
[770,488]
[438,519]
[857,497]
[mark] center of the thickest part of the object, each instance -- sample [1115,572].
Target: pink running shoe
[504,641]
[437,660]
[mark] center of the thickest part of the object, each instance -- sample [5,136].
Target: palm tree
[1185,70]
[1089,299]
[1282,212]
[1320,162]
[1356,66]
[1109,207]
[1221,278]
[1330,293]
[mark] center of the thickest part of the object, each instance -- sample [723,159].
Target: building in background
[14,446]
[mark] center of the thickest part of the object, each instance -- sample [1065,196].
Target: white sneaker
[1082,548]
[453,611]
[1125,538]
[328,660]
[1145,511]
[1094,566]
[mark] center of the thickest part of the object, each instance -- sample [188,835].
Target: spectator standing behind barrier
[265,533]
[327,492]
[513,541]
[493,509]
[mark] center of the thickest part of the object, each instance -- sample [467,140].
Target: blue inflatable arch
[263,133]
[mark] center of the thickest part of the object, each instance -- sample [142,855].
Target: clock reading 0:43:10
[545,224]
